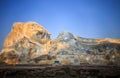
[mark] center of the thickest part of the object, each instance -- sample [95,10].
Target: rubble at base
[60,71]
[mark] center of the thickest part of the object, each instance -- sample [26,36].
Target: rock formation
[24,42]
[30,43]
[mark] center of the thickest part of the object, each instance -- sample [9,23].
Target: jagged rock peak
[65,35]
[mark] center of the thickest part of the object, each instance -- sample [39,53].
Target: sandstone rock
[25,42]
[30,43]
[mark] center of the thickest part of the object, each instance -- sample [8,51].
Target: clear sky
[85,18]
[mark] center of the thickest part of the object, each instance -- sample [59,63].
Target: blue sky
[85,18]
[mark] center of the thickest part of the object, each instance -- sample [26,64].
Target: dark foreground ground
[59,71]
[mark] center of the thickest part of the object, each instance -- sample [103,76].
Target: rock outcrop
[30,43]
[80,50]
[24,42]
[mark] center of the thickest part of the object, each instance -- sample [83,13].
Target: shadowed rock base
[64,71]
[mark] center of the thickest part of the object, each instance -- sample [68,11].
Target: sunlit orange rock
[112,40]
[25,40]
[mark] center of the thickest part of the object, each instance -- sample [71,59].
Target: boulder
[24,42]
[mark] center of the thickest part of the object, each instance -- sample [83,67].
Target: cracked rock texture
[30,43]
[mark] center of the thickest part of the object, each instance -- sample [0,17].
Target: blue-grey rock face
[82,50]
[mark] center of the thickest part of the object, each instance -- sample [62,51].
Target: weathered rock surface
[77,50]
[30,43]
[24,43]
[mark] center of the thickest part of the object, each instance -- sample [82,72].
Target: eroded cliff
[30,43]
